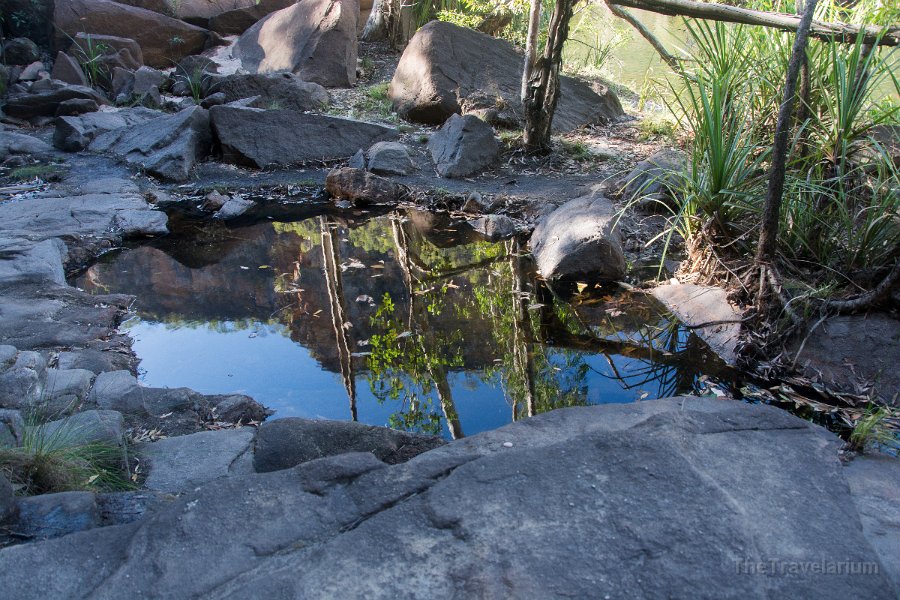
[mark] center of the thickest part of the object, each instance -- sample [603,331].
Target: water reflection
[406,319]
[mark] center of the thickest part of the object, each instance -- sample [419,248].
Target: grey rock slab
[112,389]
[33,262]
[68,70]
[180,464]
[66,389]
[875,487]
[12,428]
[233,208]
[671,498]
[390,158]
[653,182]
[464,145]
[53,515]
[22,384]
[447,69]
[316,39]
[45,104]
[167,146]
[579,241]
[74,133]
[12,143]
[707,311]
[275,90]
[237,20]
[288,442]
[86,215]
[75,107]
[869,343]
[146,79]
[92,359]
[257,138]
[105,426]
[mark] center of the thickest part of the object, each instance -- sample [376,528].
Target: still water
[405,319]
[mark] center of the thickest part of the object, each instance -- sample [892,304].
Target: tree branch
[626,16]
[887,36]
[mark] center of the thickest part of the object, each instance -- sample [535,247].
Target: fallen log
[886,36]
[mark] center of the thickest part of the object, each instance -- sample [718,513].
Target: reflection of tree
[339,320]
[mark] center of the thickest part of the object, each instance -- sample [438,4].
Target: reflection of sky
[263,362]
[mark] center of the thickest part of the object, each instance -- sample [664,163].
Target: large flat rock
[257,138]
[677,498]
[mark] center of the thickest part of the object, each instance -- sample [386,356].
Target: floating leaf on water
[316,314]
[365,299]
[536,306]
[253,335]
[580,287]
[265,266]
[376,266]
[643,395]
[347,325]
[243,268]
[362,343]
[405,334]
[360,354]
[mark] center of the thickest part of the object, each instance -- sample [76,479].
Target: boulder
[45,104]
[197,12]
[12,143]
[73,134]
[285,443]
[234,207]
[390,158]
[579,241]
[257,138]
[83,428]
[53,515]
[361,187]
[162,39]
[709,314]
[22,381]
[167,146]
[653,179]
[20,51]
[677,498]
[275,91]
[179,464]
[146,79]
[33,72]
[65,390]
[12,428]
[465,145]
[447,69]
[495,227]
[316,39]
[76,106]
[109,51]
[238,20]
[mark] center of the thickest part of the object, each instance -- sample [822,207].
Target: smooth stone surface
[447,69]
[390,158]
[76,106]
[316,39]
[233,208]
[179,464]
[103,426]
[45,104]
[579,241]
[53,515]
[66,389]
[361,187]
[257,138]
[12,143]
[73,134]
[651,181]
[464,145]
[12,428]
[163,40]
[285,443]
[275,90]
[238,20]
[495,227]
[870,343]
[661,499]
[167,146]
[22,382]
[695,305]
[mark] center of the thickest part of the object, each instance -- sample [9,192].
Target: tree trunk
[534,22]
[393,20]
[888,36]
[542,94]
[768,235]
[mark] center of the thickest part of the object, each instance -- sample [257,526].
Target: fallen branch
[626,16]
[869,298]
[887,36]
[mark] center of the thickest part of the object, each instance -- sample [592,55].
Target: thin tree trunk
[768,234]
[534,22]
[542,94]
[887,36]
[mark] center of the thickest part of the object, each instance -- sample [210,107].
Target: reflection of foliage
[402,365]
[372,237]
